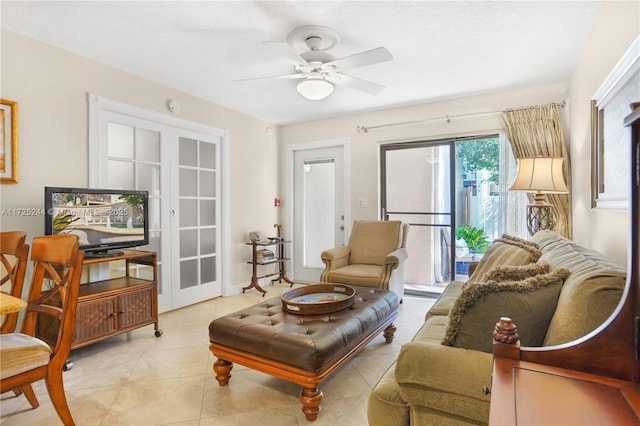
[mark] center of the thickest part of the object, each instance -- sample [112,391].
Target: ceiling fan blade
[272,77]
[287,51]
[357,83]
[368,57]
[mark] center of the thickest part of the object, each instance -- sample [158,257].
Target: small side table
[280,260]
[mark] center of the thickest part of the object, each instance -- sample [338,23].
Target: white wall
[51,86]
[606,232]
[615,29]
[365,146]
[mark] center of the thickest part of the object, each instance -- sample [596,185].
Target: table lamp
[540,175]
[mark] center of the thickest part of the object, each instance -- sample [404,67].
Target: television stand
[116,305]
[100,254]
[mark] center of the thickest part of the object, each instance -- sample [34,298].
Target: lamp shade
[540,174]
[315,88]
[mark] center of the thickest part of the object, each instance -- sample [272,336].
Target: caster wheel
[67,366]
[158,333]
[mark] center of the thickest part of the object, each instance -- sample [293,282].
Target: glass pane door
[134,162]
[197,215]
[481,198]
[417,190]
[179,164]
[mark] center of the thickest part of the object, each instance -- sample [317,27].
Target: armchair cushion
[357,274]
[371,242]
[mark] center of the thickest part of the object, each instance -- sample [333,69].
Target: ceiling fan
[320,71]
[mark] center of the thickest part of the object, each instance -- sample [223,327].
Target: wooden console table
[113,306]
[530,393]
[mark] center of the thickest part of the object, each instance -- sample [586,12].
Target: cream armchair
[374,257]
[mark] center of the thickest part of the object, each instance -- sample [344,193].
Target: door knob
[342,227]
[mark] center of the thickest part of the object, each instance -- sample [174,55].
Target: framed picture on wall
[613,101]
[8,141]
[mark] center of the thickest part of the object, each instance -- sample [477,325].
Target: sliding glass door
[417,189]
[453,194]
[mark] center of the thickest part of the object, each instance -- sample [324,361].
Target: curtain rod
[365,129]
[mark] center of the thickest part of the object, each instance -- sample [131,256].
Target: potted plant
[475,238]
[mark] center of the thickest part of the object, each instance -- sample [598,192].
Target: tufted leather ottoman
[303,349]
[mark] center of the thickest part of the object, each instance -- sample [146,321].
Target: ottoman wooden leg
[311,399]
[222,369]
[389,333]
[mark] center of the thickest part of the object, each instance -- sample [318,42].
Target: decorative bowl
[320,298]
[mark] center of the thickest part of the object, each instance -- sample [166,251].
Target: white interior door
[319,213]
[179,163]
[195,210]
[134,160]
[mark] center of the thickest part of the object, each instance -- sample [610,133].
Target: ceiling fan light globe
[315,89]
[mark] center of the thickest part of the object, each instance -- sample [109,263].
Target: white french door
[180,167]
[194,212]
[320,221]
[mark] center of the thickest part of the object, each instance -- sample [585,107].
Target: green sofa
[440,380]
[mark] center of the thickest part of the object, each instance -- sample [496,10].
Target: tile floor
[139,379]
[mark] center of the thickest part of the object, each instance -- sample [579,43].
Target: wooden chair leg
[56,393]
[27,390]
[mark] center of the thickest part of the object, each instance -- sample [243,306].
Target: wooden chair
[13,257]
[24,359]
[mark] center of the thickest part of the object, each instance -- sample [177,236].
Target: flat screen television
[105,220]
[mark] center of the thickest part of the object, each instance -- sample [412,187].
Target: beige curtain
[537,131]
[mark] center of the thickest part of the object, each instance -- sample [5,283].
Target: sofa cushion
[445,301]
[443,378]
[385,405]
[432,330]
[589,295]
[530,303]
[428,416]
[507,250]
[516,273]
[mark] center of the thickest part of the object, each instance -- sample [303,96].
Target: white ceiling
[441,49]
